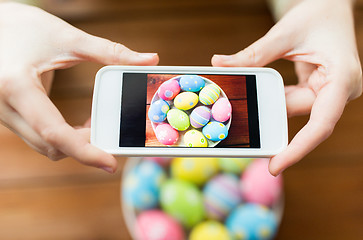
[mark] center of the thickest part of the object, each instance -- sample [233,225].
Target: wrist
[280,7]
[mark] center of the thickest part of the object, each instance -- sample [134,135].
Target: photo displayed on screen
[192,110]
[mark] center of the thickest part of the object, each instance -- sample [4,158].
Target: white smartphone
[189,111]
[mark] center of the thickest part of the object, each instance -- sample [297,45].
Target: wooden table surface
[41,199]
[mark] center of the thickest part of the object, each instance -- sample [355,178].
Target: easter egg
[234,165]
[209,94]
[258,185]
[211,230]
[221,110]
[200,116]
[221,194]
[166,134]
[162,161]
[195,170]
[169,89]
[141,186]
[251,222]
[191,83]
[178,119]
[155,224]
[183,201]
[186,100]
[158,111]
[215,131]
[194,138]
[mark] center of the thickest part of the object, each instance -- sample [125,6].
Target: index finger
[325,113]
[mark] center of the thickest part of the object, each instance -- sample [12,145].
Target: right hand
[33,43]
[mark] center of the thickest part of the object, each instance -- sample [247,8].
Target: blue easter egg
[191,83]
[252,222]
[141,185]
[222,194]
[215,131]
[158,111]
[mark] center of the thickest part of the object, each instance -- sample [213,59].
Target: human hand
[33,43]
[319,37]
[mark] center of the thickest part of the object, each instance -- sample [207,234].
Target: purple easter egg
[200,116]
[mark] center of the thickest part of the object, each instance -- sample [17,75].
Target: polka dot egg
[191,83]
[186,100]
[215,131]
[252,221]
[141,186]
[211,230]
[221,195]
[158,111]
[194,138]
[169,89]
[195,170]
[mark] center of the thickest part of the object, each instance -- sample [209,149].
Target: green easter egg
[178,119]
[183,201]
[234,165]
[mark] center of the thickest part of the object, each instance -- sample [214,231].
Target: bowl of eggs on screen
[201,198]
[190,111]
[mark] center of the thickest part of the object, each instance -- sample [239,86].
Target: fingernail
[108,169]
[223,57]
[147,55]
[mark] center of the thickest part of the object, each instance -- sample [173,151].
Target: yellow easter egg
[195,170]
[194,138]
[211,230]
[186,100]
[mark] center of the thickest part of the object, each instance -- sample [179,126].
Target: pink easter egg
[222,110]
[157,225]
[162,161]
[258,185]
[166,134]
[169,89]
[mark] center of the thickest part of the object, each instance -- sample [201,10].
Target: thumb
[96,49]
[265,50]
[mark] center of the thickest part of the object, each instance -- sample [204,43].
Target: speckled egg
[195,170]
[194,138]
[221,110]
[251,222]
[166,134]
[169,89]
[191,83]
[209,94]
[221,194]
[258,185]
[215,131]
[183,201]
[234,165]
[186,100]
[157,225]
[178,119]
[142,185]
[200,116]
[158,111]
[211,230]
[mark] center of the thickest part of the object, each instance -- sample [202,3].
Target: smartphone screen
[139,127]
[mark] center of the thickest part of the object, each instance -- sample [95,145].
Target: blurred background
[41,199]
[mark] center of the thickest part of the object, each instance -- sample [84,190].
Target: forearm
[280,7]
